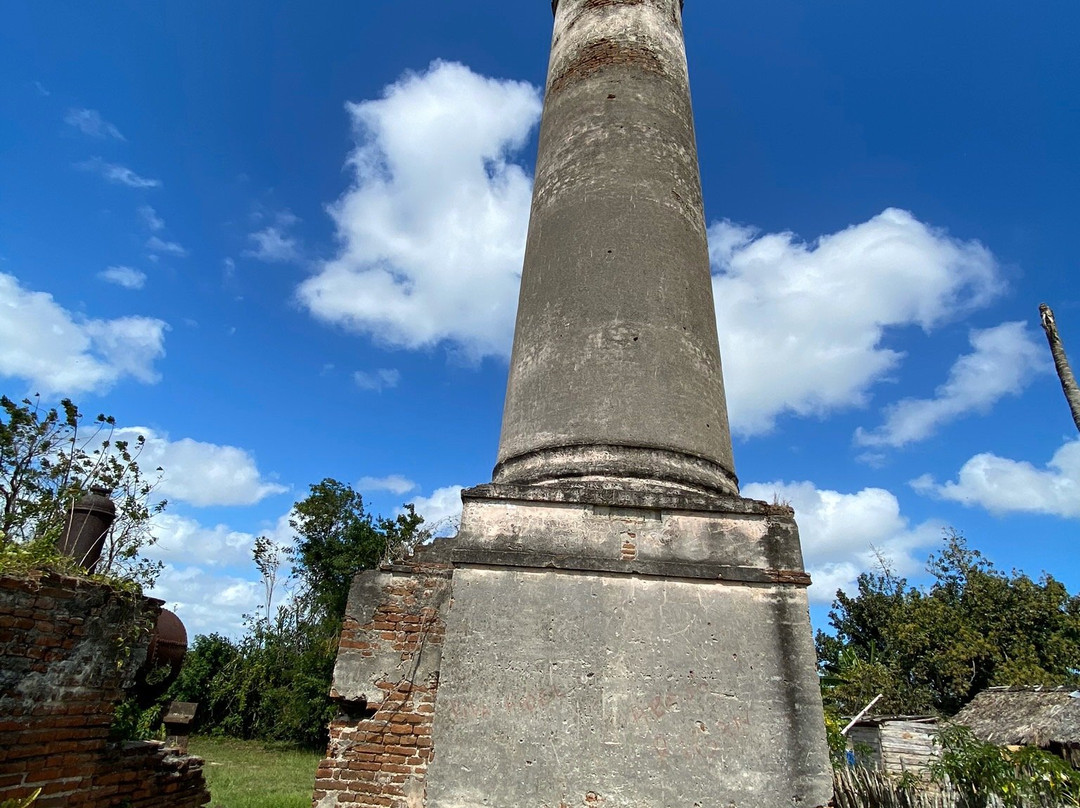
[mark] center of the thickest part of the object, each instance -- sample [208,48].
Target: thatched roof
[1024,716]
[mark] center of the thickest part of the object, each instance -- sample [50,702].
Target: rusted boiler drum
[164,658]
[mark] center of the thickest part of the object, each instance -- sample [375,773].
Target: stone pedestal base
[617,649]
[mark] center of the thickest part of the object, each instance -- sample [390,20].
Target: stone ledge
[645,568]
[638,468]
[591,520]
[586,493]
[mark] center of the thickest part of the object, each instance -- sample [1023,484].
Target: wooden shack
[1046,717]
[895,744]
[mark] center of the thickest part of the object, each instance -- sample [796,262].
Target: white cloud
[121,175]
[157,245]
[153,222]
[126,277]
[274,244]
[432,233]
[184,540]
[60,353]
[207,601]
[379,380]
[433,227]
[802,325]
[90,122]
[1005,360]
[393,483]
[843,534]
[210,578]
[201,474]
[129,345]
[442,510]
[1001,485]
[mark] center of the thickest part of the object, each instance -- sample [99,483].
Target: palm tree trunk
[1061,362]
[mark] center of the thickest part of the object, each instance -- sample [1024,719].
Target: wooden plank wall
[895,746]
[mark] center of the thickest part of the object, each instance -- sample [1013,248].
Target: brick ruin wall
[380,743]
[68,649]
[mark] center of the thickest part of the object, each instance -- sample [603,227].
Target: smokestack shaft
[615,371]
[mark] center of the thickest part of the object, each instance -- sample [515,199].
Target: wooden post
[1061,362]
[178,725]
[862,712]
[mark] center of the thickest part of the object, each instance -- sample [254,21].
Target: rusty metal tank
[164,658]
[87,524]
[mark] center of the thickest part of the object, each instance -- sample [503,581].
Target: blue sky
[282,240]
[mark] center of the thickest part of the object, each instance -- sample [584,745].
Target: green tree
[336,537]
[932,650]
[33,442]
[274,683]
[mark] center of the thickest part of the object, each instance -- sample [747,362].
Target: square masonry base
[638,654]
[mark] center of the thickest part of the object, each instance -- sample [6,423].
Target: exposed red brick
[370,761]
[606,53]
[57,738]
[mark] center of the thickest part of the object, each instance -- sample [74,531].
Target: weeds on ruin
[968,773]
[49,458]
[22,802]
[24,559]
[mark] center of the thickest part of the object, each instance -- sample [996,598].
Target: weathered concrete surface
[570,689]
[392,634]
[578,644]
[385,683]
[586,520]
[626,649]
[616,366]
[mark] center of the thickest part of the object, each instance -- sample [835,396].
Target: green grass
[246,774]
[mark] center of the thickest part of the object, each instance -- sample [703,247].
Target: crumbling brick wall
[68,649]
[385,682]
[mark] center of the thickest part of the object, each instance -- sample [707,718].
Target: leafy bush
[982,771]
